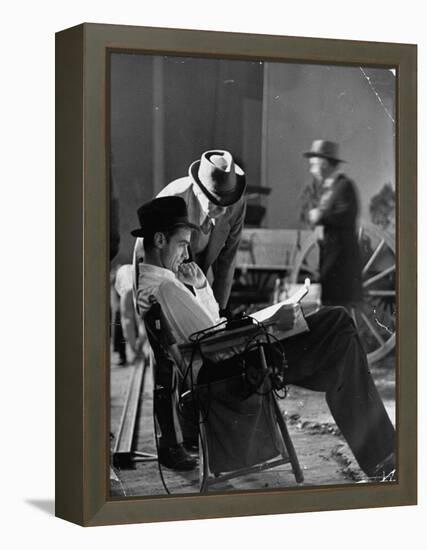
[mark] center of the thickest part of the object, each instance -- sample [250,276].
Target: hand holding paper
[285,316]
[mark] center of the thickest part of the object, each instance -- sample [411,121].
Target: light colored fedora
[324,149]
[219,177]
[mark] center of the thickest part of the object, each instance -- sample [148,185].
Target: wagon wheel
[375,318]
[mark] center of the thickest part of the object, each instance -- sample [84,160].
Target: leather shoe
[176,458]
[191,444]
[386,469]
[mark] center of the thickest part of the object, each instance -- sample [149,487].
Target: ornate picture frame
[82,266]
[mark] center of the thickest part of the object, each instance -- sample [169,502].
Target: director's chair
[241,430]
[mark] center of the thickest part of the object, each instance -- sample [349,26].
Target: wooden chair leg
[299,476]
[203,460]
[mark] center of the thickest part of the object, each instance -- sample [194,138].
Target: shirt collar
[159,271]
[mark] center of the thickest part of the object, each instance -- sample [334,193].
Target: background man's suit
[340,262]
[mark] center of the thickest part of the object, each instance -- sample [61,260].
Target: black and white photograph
[252,274]
[215,247]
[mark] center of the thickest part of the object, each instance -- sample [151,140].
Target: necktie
[206,225]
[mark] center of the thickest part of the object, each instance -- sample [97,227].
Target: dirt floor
[323,454]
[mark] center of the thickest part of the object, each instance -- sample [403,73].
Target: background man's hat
[219,177]
[162,214]
[324,149]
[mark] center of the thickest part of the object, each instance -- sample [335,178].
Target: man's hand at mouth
[191,274]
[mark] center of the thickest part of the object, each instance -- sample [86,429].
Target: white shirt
[195,312]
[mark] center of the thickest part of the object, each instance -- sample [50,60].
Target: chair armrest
[229,341]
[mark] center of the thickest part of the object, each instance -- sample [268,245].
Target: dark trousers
[330,358]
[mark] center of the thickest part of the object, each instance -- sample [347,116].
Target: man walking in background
[336,214]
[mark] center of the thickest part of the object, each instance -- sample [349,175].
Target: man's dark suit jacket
[340,262]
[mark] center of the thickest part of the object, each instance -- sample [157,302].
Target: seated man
[329,357]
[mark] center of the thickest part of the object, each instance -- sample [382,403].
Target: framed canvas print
[236,274]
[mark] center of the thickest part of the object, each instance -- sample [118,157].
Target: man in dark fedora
[165,229]
[328,357]
[336,214]
[213,192]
